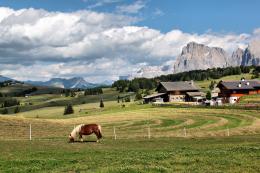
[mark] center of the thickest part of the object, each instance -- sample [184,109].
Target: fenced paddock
[138,124]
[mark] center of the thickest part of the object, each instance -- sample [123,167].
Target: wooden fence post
[114,133]
[185,133]
[149,132]
[30,132]
[227,131]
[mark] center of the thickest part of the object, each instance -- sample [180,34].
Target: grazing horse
[85,129]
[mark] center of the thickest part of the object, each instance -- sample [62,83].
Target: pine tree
[17,109]
[68,109]
[118,99]
[138,96]
[101,103]
[208,95]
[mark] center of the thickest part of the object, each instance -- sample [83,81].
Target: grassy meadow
[233,154]
[148,138]
[181,140]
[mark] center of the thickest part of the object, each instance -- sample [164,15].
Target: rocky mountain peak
[251,55]
[196,56]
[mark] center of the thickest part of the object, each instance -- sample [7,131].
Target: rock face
[251,55]
[196,56]
[237,56]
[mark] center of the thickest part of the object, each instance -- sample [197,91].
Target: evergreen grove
[197,75]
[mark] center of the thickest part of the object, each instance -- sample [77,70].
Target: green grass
[250,99]
[234,154]
[206,148]
[36,102]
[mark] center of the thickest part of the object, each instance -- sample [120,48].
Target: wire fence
[53,131]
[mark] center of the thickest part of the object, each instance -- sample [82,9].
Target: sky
[101,40]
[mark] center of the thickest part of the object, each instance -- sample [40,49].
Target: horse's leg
[80,137]
[97,135]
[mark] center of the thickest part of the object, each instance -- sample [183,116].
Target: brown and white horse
[85,129]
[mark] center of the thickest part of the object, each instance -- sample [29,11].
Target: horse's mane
[76,131]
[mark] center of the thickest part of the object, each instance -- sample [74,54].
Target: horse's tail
[99,132]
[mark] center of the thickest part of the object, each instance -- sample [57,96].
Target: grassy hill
[190,139]
[53,100]
[182,139]
[17,88]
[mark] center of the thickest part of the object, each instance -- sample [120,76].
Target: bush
[68,109]
[138,96]
[5,111]
[17,109]
[208,95]
[11,102]
[127,99]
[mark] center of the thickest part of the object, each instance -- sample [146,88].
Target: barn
[176,92]
[231,91]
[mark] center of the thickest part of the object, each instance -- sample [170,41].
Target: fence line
[36,131]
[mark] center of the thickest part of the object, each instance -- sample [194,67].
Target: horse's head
[71,139]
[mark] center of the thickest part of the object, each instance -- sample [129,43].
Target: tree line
[197,75]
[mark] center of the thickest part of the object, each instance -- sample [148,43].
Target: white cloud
[41,44]
[158,12]
[101,3]
[132,8]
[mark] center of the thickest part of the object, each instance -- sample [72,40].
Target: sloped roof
[180,86]
[153,95]
[238,85]
[194,94]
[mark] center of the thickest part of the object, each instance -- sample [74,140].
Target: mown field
[191,139]
[182,140]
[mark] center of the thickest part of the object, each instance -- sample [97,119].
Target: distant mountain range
[76,82]
[196,56]
[3,79]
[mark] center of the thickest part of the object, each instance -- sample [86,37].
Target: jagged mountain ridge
[198,56]
[195,56]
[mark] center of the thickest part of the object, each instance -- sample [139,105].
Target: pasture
[181,140]
[233,154]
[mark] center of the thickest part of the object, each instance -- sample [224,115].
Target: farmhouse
[231,91]
[176,92]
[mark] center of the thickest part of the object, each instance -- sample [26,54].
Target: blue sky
[101,40]
[196,16]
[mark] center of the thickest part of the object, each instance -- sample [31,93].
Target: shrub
[208,95]
[17,109]
[68,109]
[11,102]
[5,111]
[138,96]
[127,99]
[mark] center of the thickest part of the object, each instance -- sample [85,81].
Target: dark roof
[194,94]
[180,86]
[238,85]
[154,95]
